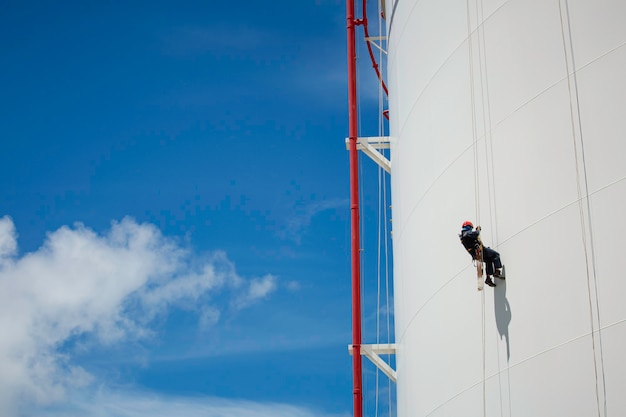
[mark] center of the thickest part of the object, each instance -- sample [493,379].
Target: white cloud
[297,224]
[137,404]
[293,286]
[107,287]
[8,242]
[209,316]
[258,289]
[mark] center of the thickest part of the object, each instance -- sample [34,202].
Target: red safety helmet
[468,223]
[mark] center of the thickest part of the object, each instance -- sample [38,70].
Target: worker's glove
[478,228]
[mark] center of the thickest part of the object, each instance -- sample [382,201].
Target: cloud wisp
[297,224]
[108,288]
[140,404]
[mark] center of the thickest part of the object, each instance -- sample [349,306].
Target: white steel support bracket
[370,147]
[372,353]
[371,40]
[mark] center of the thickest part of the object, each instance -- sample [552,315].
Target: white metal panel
[602,92]
[597,28]
[533,164]
[524,51]
[488,7]
[426,158]
[437,30]
[609,243]
[546,285]
[559,382]
[615,368]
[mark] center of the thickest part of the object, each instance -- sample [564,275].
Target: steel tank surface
[510,114]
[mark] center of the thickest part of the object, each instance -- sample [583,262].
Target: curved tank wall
[519,125]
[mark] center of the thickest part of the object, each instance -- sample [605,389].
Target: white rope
[379,254]
[476,190]
[488,134]
[382,249]
[383,236]
[473,101]
[486,119]
[482,302]
[575,103]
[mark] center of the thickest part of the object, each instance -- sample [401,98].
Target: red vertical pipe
[357,372]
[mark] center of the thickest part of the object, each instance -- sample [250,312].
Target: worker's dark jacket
[471,241]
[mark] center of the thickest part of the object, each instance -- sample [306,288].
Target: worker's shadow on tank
[503,314]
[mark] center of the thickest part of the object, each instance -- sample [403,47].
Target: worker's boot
[489,282]
[499,273]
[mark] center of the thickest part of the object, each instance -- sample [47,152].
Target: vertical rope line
[473,105]
[381,230]
[589,217]
[387,289]
[482,301]
[493,208]
[378,280]
[487,125]
[486,137]
[387,286]
[574,102]
[385,230]
[494,226]
[476,188]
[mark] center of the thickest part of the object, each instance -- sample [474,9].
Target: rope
[575,103]
[486,119]
[385,206]
[379,252]
[488,132]
[383,232]
[387,287]
[382,228]
[482,300]
[383,262]
[477,190]
[383,223]
[473,100]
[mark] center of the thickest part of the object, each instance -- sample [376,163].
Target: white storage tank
[510,114]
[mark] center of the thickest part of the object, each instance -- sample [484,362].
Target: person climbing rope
[470,238]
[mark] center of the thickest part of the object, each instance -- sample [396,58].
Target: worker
[470,238]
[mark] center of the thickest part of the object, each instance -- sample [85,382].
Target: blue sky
[175,238]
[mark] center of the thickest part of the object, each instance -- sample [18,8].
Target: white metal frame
[370,147]
[373,352]
[371,40]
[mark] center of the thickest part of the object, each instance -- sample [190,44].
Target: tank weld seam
[427,301]
[523,104]
[506,240]
[521,362]
[417,3]
[432,184]
[576,201]
[555,84]
[393,14]
[497,124]
[438,70]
